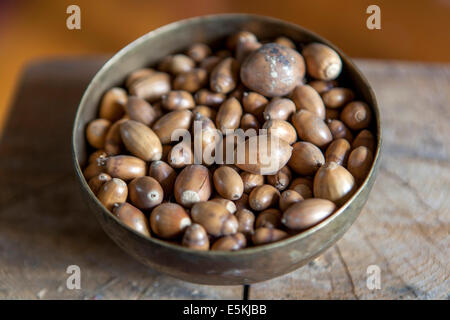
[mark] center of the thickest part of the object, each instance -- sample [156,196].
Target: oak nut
[356,115]
[231,242]
[132,217]
[125,167]
[169,220]
[307,213]
[215,218]
[140,140]
[306,158]
[145,192]
[359,162]
[268,235]
[96,132]
[322,62]
[263,197]
[228,183]
[192,185]
[112,192]
[195,237]
[288,198]
[112,106]
[333,182]
[311,128]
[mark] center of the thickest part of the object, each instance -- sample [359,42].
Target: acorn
[264,154]
[95,183]
[268,235]
[93,169]
[215,218]
[282,129]
[125,167]
[151,87]
[112,192]
[198,51]
[303,186]
[364,138]
[263,197]
[322,86]
[145,192]
[306,158]
[306,98]
[245,48]
[251,180]
[178,100]
[229,115]
[96,155]
[192,185]
[195,237]
[112,106]
[284,41]
[333,182]
[337,97]
[230,243]
[281,179]
[246,221]
[141,111]
[359,163]
[180,155]
[356,115]
[288,198]
[228,183]
[96,132]
[176,64]
[273,64]
[137,75]
[228,204]
[311,128]
[191,81]
[208,98]
[113,140]
[240,36]
[269,218]
[132,217]
[338,151]
[168,123]
[205,111]
[322,62]
[339,130]
[164,174]
[332,114]
[224,76]
[140,140]
[255,104]
[307,213]
[279,109]
[169,220]
[249,121]
[242,203]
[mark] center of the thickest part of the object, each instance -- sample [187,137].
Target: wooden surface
[404,228]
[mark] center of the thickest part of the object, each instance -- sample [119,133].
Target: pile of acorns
[151,183]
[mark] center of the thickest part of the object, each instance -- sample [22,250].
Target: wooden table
[404,228]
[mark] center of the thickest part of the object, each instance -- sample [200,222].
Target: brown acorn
[322,86]
[112,106]
[364,138]
[96,132]
[246,221]
[241,36]
[168,123]
[307,213]
[242,203]
[132,217]
[178,100]
[268,235]
[125,167]
[281,179]
[282,129]
[356,115]
[140,140]
[96,155]
[303,186]
[95,183]
[269,218]
[176,64]
[288,198]
[93,169]
[113,139]
[333,182]
[306,158]
[208,98]
[140,110]
[138,75]
[279,109]
[195,237]
[228,204]
[359,163]
[263,197]
[192,185]
[284,41]
[311,128]
[245,48]
[191,81]
[198,51]
[180,155]
[215,218]
[228,183]
[230,243]
[255,104]
[205,111]
[273,63]
[306,98]
[145,192]
[251,181]
[337,97]
[249,121]
[169,220]
[339,130]
[338,151]
[112,192]
[322,62]
[229,115]
[164,174]
[209,63]
[151,87]
[224,76]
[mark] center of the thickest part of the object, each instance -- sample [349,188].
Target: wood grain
[404,228]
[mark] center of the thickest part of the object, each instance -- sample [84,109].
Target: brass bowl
[219,268]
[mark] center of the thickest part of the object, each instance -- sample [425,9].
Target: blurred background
[415,30]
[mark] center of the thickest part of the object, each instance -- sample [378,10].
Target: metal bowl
[219,268]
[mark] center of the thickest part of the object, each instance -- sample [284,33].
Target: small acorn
[141,111]
[192,185]
[168,123]
[230,243]
[178,100]
[263,197]
[288,198]
[95,183]
[255,104]
[322,62]
[209,98]
[249,121]
[132,217]
[195,237]
[246,221]
[113,140]
[307,213]
[229,115]
[282,129]
[96,132]
[281,179]
[164,174]
[140,140]
[337,97]
[198,51]
[224,76]
[269,218]
[251,180]
[268,235]
[322,86]
[112,106]
[151,87]
[339,130]
[306,158]
[169,220]
[333,182]
[356,115]
[112,192]
[338,151]
[306,98]
[364,138]
[215,218]
[303,186]
[145,192]
[191,81]
[359,163]
[311,128]
[279,109]
[228,183]
[125,167]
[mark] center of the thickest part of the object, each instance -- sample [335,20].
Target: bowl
[214,267]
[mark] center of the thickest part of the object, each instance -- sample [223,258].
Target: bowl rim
[248,250]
